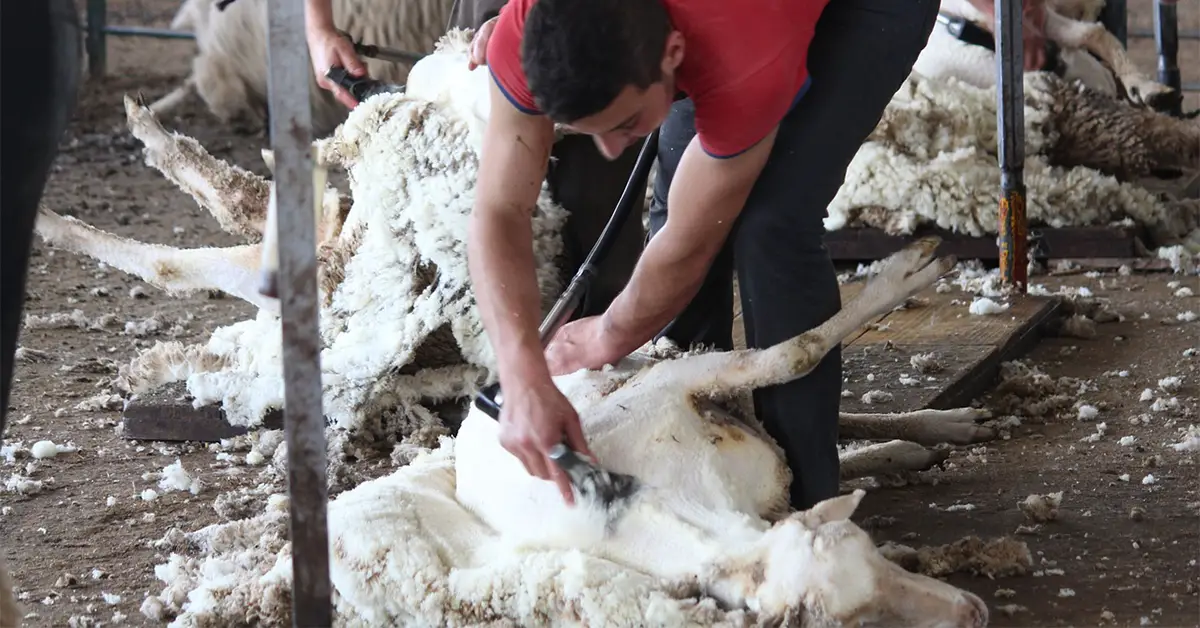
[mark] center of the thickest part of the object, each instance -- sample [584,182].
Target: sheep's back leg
[892,457]
[232,270]
[904,273]
[1092,36]
[236,197]
[927,427]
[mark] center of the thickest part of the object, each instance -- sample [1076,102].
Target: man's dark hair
[579,54]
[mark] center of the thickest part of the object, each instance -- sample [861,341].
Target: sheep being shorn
[230,70]
[932,160]
[1087,52]
[463,536]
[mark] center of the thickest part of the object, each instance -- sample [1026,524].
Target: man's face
[635,113]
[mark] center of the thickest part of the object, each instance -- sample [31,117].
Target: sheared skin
[707,486]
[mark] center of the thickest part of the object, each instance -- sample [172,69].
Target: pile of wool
[403,551]
[400,330]
[932,160]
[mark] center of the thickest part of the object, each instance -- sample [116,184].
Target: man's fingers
[563,482]
[576,439]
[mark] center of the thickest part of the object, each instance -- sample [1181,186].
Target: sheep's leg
[1093,37]
[236,197]
[903,274]
[174,98]
[232,270]
[926,427]
[888,458]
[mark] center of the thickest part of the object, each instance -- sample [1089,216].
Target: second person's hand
[328,48]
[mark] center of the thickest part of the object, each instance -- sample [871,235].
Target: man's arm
[706,196]
[516,150]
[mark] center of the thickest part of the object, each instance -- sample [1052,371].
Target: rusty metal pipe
[1010,120]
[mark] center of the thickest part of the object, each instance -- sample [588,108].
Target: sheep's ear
[833,509]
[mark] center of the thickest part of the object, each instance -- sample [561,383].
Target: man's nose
[611,145]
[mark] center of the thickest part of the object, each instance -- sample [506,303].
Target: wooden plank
[887,363]
[946,319]
[166,414]
[864,244]
[969,348]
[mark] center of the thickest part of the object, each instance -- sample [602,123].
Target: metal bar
[97,47]
[140,31]
[304,426]
[1166,40]
[1114,17]
[1010,120]
[1146,33]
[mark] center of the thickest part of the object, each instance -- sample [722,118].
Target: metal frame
[98,31]
[288,71]
[1010,122]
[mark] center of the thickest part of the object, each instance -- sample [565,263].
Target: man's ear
[672,53]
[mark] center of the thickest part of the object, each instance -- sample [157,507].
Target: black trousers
[861,53]
[40,53]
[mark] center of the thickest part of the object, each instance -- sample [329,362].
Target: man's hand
[581,344]
[479,44]
[534,418]
[1033,28]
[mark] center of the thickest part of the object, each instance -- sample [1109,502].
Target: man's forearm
[667,276]
[501,263]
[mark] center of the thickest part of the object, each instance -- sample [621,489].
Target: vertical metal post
[97,47]
[1010,119]
[1114,17]
[1166,40]
[304,424]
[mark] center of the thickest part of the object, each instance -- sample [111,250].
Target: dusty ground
[1141,570]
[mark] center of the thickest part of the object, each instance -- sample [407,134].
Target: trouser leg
[473,13]
[588,185]
[38,100]
[861,54]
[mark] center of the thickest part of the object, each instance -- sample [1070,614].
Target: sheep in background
[932,160]
[230,71]
[1087,52]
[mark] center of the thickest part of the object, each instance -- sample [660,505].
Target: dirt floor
[1123,550]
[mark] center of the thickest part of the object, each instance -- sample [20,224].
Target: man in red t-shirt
[779,97]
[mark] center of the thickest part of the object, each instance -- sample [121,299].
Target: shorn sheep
[1087,53]
[229,73]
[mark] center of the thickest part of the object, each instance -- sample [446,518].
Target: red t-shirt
[744,65]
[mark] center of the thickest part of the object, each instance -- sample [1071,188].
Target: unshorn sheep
[230,70]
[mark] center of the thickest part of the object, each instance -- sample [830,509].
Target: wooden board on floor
[968,348]
[867,244]
[166,414]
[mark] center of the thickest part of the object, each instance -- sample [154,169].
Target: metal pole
[1114,17]
[1010,119]
[1166,39]
[304,424]
[97,48]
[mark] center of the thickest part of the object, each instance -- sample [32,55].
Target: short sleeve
[733,118]
[504,57]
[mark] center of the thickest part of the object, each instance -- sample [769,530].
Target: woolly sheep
[230,70]
[1088,52]
[463,536]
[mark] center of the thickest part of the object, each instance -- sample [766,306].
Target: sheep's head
[820,564]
